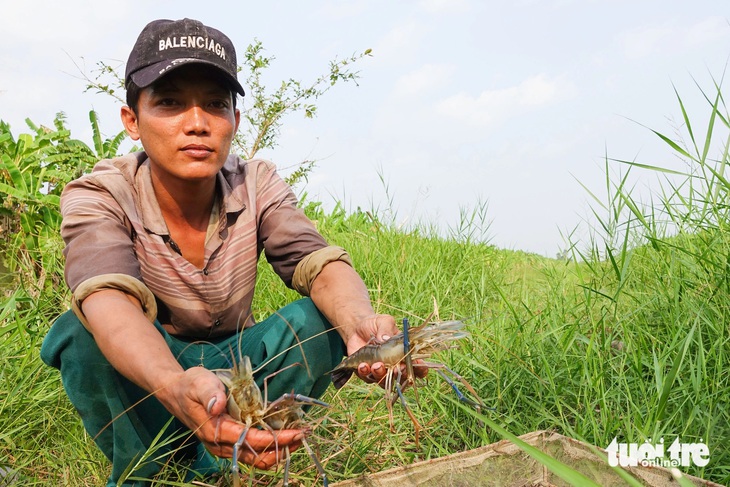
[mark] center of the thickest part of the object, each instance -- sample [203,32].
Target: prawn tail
[341,376]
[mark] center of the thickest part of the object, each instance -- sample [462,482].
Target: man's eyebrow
[170,87]
[219,90]
[164,87]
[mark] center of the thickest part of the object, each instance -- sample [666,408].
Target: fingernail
[211,403]
[298,436]
[363,369]
[377,368]
[385,338]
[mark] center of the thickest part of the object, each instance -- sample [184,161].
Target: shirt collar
[149,209]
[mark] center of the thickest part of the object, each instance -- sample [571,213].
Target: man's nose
[196,120]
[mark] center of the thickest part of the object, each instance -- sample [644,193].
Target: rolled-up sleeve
[120,282]
[309,267]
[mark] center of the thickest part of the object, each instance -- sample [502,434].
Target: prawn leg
[272,375]
[285,481]
[458,392]
[317,464]
[392,388]
[393,391]
[297,398]
[389,397]
[478,404]
[285,412]
[236,447]
[416,425]
[313,456]
[408,359]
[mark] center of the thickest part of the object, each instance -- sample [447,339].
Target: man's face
[185,122]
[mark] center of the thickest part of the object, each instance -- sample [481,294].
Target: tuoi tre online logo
[648,454]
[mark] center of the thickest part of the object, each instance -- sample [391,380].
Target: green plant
[33,171]
[264,117]
[658,275]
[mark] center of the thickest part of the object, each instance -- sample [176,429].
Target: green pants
[124,421]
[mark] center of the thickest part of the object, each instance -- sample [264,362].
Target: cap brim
[149,74]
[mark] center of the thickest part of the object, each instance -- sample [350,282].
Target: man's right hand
[198,399]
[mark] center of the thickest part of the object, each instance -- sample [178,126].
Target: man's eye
[167,102]
[219,104]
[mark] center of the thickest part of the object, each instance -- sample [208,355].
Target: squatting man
[161,252]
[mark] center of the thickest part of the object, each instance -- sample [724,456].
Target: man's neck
[185,202]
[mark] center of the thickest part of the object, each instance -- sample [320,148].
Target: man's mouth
[197,150]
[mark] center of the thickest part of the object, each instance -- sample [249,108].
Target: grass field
[627,339]
[572,347]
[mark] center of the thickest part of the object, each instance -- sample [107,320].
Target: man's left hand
[377,329]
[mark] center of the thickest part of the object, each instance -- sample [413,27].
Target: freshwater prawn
[246,404]
[402,349]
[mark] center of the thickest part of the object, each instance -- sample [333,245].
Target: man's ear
[129,119]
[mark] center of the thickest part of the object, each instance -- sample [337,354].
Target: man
[161,252]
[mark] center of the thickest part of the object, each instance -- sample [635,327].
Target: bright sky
[464,102]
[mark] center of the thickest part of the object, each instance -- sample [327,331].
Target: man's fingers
[211,403]
[264,460]
[267,459]
[371,374]
[269,449]
[261,440]
[376,372]
[420,369]
[215,402]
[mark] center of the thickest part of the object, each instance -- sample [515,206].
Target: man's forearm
[340,294]
[133,346]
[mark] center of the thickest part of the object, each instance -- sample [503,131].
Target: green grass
[628,339]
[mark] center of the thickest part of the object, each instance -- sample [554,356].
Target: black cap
[165,45]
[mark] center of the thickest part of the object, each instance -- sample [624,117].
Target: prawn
[246,404]
[402,349]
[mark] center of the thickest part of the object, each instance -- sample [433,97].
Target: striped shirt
[113,226]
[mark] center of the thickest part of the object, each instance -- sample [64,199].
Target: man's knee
[68,337]
[315,334]
[303,317]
